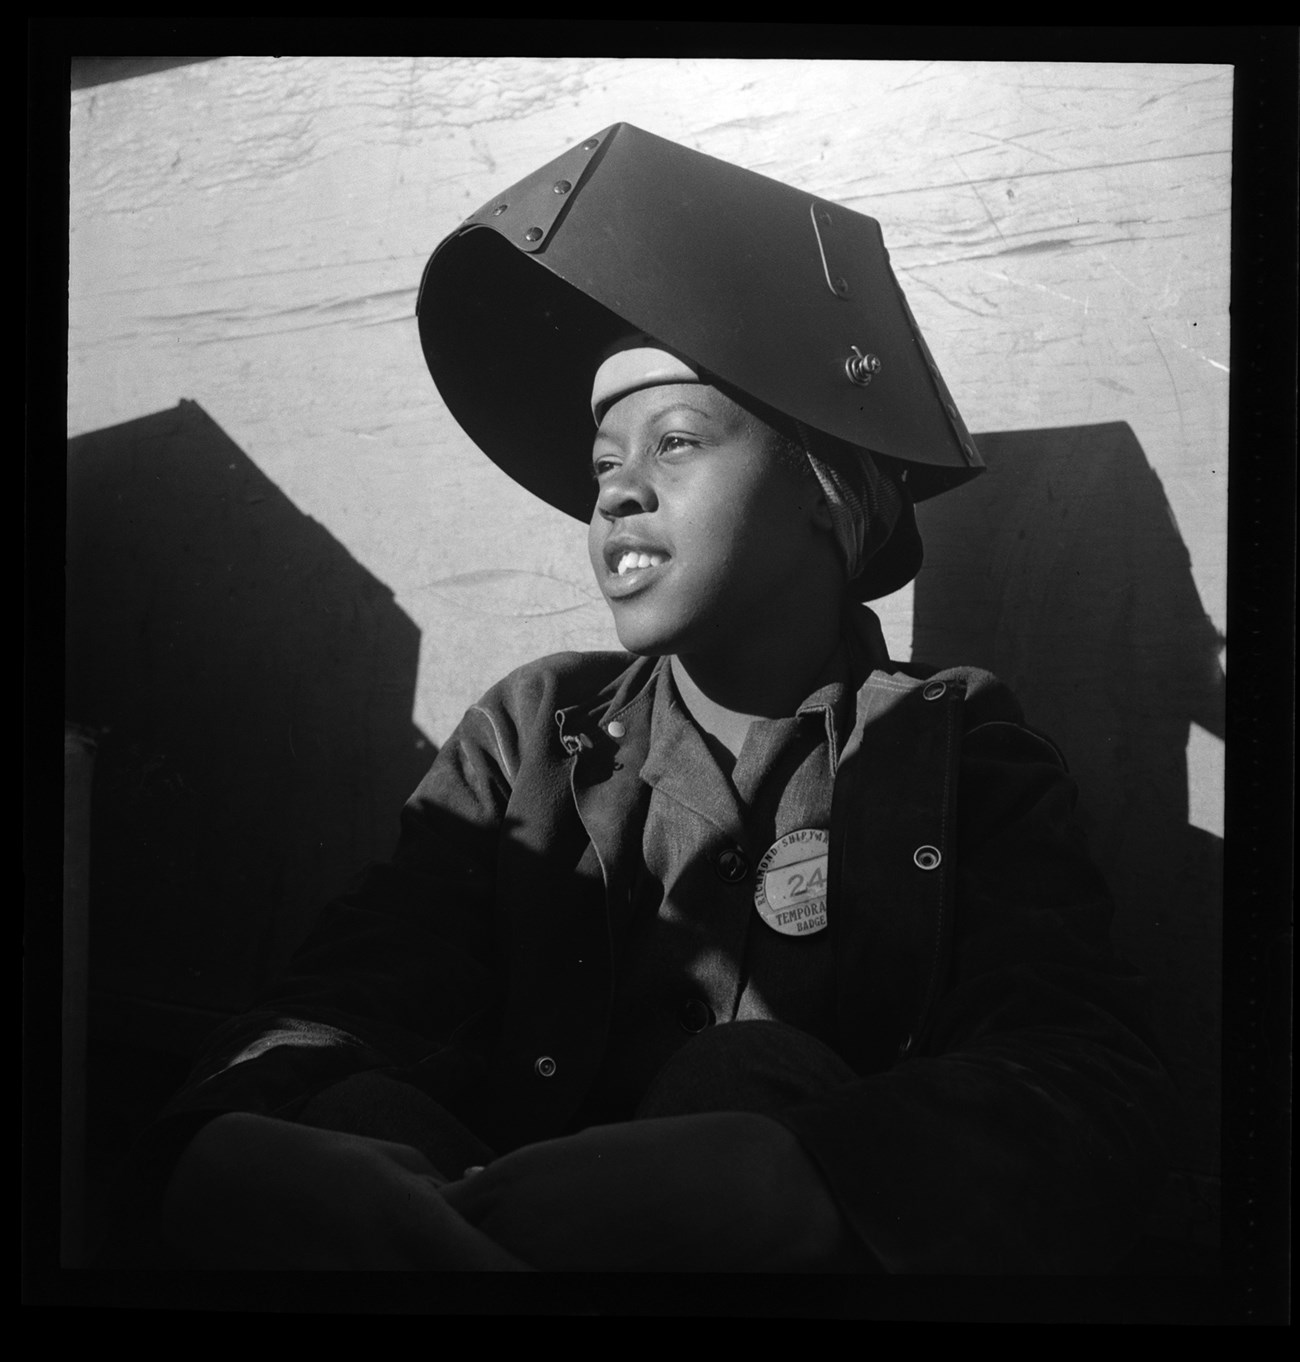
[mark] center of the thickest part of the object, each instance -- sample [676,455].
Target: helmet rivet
[841,285]
[562,186]
[860,367]
[823,217]
[533,234]
[499,209]
[591,144]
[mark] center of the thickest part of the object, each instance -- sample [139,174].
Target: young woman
[747,948]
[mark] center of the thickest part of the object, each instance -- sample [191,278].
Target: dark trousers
[753,1066]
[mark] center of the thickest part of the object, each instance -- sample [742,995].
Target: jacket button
[934,690]
[905,1048]
[616,729]
[545,1066]
[927,858]
[694,1015]
[732,866]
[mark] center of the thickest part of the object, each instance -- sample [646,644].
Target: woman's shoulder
[994,721]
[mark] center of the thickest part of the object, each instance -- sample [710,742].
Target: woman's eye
[670,444]
[600,467]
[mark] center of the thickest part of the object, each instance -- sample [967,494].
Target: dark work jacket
[1007,1112]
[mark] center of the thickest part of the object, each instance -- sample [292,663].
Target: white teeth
[632,560]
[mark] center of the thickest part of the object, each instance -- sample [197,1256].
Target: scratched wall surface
[247,234]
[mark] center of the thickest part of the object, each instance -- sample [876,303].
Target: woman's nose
[625,491]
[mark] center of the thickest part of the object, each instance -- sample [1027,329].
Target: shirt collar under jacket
[681,766]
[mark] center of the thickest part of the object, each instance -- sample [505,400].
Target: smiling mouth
[628,570]
[631,561]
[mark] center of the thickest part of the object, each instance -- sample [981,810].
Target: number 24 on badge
[790,893]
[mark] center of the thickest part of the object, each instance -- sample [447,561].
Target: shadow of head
[1063,571]
[251,685]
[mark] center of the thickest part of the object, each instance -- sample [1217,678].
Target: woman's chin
[636,638]
[643,647]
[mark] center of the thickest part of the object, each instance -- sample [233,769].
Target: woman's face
[703,537]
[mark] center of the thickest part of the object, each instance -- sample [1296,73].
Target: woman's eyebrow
[673,409]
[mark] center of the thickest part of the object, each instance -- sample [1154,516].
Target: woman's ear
[821,512]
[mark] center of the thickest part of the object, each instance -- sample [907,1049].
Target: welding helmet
[773,292]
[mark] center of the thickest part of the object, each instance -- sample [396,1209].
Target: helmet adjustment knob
[861,367]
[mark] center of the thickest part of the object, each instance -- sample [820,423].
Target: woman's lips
[628,570]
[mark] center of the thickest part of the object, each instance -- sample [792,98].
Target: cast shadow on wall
[250,688]
[1061,569]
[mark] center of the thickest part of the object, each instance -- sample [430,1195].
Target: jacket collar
[581,725]
[627,697]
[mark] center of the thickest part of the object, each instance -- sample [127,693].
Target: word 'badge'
[791,891]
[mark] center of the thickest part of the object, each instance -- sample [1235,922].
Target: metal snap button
[934,690]
[732,866]
[694,1016]
[616,729]
[545,1066]
[927,857]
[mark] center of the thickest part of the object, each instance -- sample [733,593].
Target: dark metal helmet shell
[778,294]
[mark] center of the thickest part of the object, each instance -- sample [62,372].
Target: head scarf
[864,502]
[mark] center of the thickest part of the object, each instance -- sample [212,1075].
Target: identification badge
[790,893]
